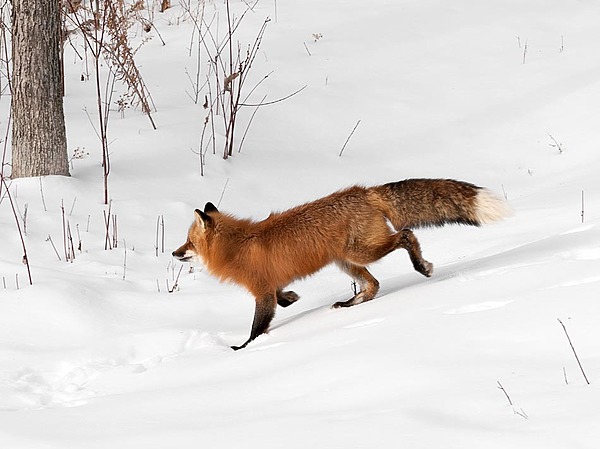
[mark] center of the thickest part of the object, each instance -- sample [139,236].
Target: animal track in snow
[66,382]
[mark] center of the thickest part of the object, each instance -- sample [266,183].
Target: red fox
[351,228]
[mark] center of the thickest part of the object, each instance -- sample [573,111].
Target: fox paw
[358,299]
[288,298]
[425,268]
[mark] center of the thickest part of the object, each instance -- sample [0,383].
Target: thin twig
[574,352]
[349,137]
[64,230]
[248,126]
[107,244]
[500,387]
[307,50]
[124,258]
[42,194]
[12,205]
[176,284]
[275,101]
[556,144]
[521,413]
[223,193]
[49,239]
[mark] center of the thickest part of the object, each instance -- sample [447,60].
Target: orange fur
[352,227]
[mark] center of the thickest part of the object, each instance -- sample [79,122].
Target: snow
[97,353]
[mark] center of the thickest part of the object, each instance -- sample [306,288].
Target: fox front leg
[264,312]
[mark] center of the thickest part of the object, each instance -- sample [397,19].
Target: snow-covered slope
[97,353]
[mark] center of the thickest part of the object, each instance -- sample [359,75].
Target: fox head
[196,245]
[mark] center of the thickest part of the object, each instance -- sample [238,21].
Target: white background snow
[96,354]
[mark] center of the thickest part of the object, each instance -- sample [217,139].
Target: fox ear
[210,207]
[202,219]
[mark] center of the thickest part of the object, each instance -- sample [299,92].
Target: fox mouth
[182,258]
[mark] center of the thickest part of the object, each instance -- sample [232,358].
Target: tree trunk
[39,142]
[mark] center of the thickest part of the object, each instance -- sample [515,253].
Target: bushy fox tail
[415,203]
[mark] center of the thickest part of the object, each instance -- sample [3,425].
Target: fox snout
[183,253]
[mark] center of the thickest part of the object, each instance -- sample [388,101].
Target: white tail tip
[489,207]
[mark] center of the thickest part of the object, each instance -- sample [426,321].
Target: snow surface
[97,353]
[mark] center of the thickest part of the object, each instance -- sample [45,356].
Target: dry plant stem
[107,245]
[5,49]
[49,239]
[72,206]
[582,206]
[232,73]
[223,192]
[521,413]
[42,195]
[14,210]
[349,137]
[24,217]
[160,234]
[201,151]
[119,54]
[64,231]
[114,229]
[244,68]
[5,148]
[78,238]
[67,237]
[212,120]
[96,52]
[255,87]
[109,21]
[70,246]
[176,284]
[197,28]
[276,101]
[500,387]
[556,144]
[227,75]
[574,352]
[307,50]
[124,259]
[248,125]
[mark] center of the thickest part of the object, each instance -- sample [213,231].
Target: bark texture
[39,143]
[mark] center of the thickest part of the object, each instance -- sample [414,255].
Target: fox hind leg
[409,242]
[369,286]
[366,252]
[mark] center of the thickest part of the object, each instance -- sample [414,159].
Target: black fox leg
[288,298]
[263,314]
[409,242]
[369,286]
